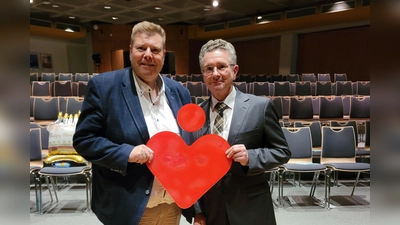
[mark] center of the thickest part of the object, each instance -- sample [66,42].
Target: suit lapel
[173,104]
[171,96]
[132,101]
[239,114]
[206,127]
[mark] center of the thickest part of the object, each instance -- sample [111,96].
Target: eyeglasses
[221,68]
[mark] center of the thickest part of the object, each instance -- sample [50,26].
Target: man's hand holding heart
[187,172]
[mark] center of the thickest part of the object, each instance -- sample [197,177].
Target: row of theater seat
[322,108]
[61,77]
[289,108]
[248,78]
[58,88]
[285,88]
[44,110]
[198,77]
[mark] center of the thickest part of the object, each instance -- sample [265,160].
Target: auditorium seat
[281,88]
[323,88]
[363,88]
[339,77]
[81,77]
[260,88]
[292,78]
[344,88]
[41,88]
[48,77]
[323,77]
[308,77]
[302,88]
[65,77]
[62,88]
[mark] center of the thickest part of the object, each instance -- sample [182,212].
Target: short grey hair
[148,28]
[212,45]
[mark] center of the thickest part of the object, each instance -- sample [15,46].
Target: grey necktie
[219,120]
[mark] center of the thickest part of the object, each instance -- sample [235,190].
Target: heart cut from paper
[188,172]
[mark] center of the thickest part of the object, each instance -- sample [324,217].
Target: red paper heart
[191,117]
[187,172]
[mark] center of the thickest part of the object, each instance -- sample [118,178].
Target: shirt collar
[229,100]
[142,88]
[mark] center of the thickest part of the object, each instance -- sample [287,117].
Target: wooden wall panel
[109,38]
[335,51]
[258,56]
[194,51]
[117,60]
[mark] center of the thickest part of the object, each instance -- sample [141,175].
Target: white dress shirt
[159,117]
[229,101]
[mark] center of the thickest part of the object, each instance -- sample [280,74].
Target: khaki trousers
[162,214]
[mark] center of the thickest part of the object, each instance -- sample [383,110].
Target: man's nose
[215,72]
[147,53]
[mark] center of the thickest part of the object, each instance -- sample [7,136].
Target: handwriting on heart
[187,172]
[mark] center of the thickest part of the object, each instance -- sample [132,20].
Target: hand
[239,154]
[141,154]
[199,219]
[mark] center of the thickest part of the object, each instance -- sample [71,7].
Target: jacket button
[147,192]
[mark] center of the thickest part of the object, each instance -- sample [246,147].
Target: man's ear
[235,70]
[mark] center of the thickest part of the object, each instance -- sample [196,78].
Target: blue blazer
[111,124]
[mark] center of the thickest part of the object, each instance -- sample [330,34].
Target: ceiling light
[215,3]
[340,6]
[72,17]
[46,2]
[31,1]
[69,30]
[157,8]
[114,18]
[259,17]
[160,18]
[206,9]
[55,6]
[107,7]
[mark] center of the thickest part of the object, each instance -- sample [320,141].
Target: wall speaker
[96,58]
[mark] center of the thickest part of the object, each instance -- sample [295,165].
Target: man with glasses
[250,124]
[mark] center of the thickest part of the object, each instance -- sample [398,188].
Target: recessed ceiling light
[46,2]
[107,7]
[72,17]
[160,18]
[206,9]
[114,18]
[157,8]
[215,3]
[31,1]
[55,6]
[69,30]
[259,17]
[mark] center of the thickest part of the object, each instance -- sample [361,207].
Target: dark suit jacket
[110,125]
[243,195]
